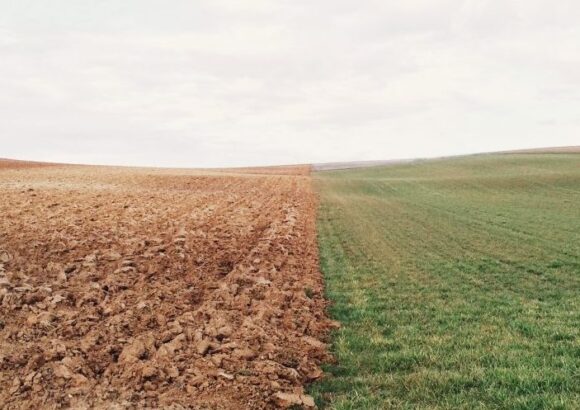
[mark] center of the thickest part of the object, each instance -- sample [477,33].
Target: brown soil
[14,163]
[549,150]
[148,288]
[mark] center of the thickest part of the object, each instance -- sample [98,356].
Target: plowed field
[132,288]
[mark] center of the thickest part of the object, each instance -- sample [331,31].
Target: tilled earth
[149,288]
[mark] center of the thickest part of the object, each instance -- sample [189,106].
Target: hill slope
[457,282]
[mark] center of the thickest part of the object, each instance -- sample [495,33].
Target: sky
[212,83]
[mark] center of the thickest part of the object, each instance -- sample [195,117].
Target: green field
[457,283]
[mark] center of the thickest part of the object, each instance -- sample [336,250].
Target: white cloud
[216,83]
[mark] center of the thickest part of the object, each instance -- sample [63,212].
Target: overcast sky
[220,83]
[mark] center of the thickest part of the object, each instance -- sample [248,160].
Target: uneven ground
[124,288]
[457,283]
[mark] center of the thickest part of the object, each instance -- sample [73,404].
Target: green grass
[457,283]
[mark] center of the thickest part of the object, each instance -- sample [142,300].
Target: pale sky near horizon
[257,82]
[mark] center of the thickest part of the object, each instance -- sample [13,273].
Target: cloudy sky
[218,83]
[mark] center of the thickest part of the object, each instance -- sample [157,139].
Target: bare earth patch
[132,288]
[14,163]
[549,150]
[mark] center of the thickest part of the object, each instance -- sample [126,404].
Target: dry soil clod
[144,288]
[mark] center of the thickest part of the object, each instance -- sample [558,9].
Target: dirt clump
[148,288]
